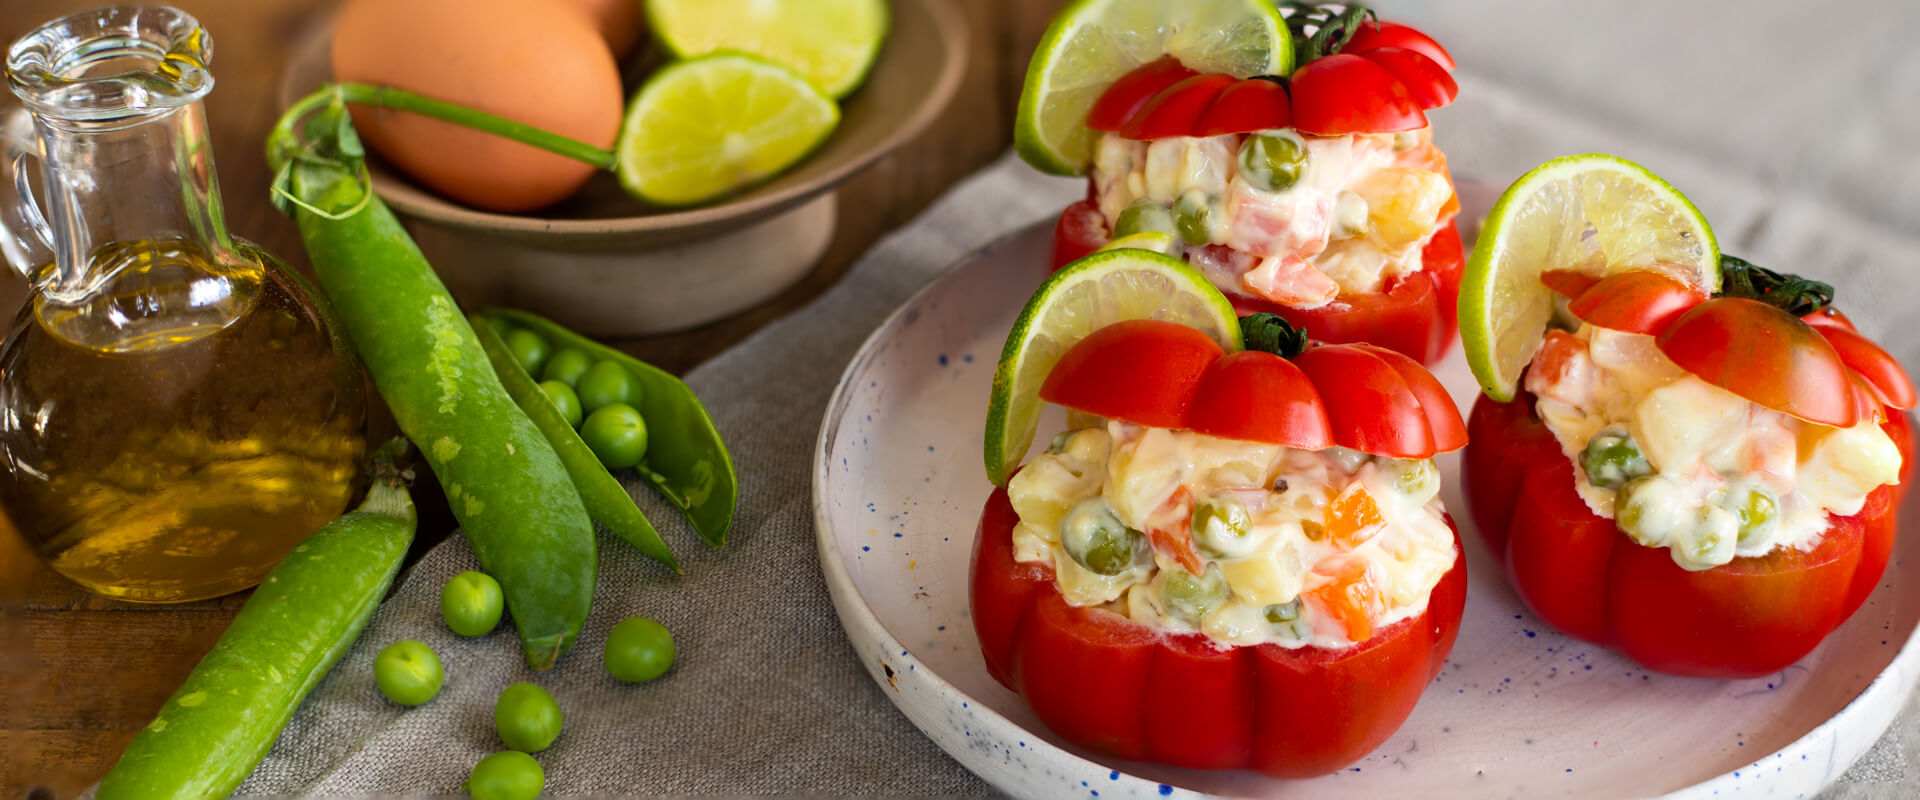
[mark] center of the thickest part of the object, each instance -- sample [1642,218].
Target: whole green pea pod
[513,498]
[296,626]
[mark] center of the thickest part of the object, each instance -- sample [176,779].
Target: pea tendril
[1783,290]
[1330,30]
[1269,333]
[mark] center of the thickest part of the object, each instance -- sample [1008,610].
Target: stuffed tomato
[1317,194]
[1706,483]
[1229,560]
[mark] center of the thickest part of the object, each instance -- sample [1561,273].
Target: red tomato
[1166,375]
[1117,687]
[1829,317]
[1125,97]
[1580,574]
[1344,93]
[1082,229]
[1249,106]
[1144,371]
[1414,316]
[1640,301]
[1884,375]
[1427,82]
[1765,355]
[1393,34]
[1176,110]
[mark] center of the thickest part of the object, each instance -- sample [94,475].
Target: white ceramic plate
[1519,710]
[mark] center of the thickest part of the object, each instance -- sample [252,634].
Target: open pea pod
[686,461]
[606,500]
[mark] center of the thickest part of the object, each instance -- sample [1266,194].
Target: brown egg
[618,22]
[539,63]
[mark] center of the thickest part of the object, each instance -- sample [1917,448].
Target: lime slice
[712,125]
[1094,42]
[1596,214]
[1085,296]
[1157,241]
[831,42]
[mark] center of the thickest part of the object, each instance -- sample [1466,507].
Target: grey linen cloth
[1799,145]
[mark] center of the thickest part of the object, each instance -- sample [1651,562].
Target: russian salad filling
[1276,215]
[1688,466]
[1247,543]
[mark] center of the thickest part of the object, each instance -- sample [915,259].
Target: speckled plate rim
[1870,712]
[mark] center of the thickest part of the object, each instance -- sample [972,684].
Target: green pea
[1272,161]
[501,326]
[506,775]
[471,603]
[605,384]
[530,349]
[1143,217]
[617,435]
[1349,215]
[1650,510]
[408,672]
[1222,527]
[1417,478]
[527,718]
[1612,458]
[1283,612]
[1191,597]
[1095,538]
[567,366]
[1059,443]
[1757,512]
[564,399]
[1288,621]
[1192,216]
[639,650]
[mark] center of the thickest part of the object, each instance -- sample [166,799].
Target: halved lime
[1085,296]
[1596,214]
[1094,42]
[712,125]
[1157,241]
[831,42]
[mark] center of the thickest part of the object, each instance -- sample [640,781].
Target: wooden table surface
[79,675]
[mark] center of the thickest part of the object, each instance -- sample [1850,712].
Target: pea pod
[503,481]
[686,461]
[606,500]
[219,724]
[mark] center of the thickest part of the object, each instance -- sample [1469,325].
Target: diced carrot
[1353,517]
[1173,536]
[1350,594]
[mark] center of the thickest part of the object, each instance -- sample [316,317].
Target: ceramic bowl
[1519,710]
[608,265]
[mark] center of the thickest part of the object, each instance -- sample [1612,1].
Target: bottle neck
[133,179]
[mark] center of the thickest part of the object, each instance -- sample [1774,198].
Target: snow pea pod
[220,722]
[607,501]
[686,461]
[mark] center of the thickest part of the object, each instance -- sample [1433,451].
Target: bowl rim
[950,29]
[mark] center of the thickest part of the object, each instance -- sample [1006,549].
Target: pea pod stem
[402,100]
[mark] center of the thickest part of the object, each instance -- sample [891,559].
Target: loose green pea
[604,384]
[1095,538]
[527,718]
[639,650]
[1192,216]
[471,603]
[1612,458]
[1272,161]
[1143,217]
[1222,527]
[506,775]
[408,672]
[617,435]
[530,349]
[567,366]
[1191,597]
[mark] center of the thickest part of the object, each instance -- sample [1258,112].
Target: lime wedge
[831,42]
[1094,42]
[712,125]
[1085,296]
[1596,214]
[1157,241]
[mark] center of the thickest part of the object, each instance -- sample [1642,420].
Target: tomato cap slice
[1260,397]
[1427,82]
[1394,34]
[1639,301]
[1176,110]
[1344,93]
[1143,371]
[1765,355]
[1248,106]
[1125,96]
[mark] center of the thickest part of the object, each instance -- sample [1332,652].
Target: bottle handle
[25,238]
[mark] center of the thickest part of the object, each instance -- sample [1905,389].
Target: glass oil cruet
[177,409]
